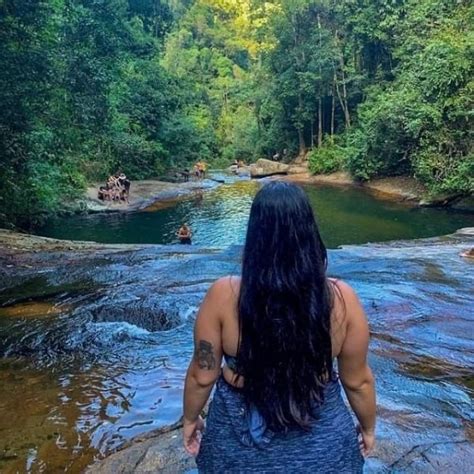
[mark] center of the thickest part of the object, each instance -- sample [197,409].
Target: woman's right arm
[354,371]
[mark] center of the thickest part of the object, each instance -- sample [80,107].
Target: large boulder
[263,168]
[239,170]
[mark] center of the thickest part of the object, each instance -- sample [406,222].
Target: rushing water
[94,343]
[218,218]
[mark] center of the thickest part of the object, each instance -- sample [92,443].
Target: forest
[89,87]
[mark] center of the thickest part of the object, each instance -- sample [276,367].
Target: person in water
[184,234]
[280,328]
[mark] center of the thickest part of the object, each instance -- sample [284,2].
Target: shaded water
[219,218]
[94,346]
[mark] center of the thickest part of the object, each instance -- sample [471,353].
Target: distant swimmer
[184,234]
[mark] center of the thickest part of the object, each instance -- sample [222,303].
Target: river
[218,218]
[94,341]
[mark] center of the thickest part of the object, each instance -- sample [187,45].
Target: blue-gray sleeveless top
[237,440]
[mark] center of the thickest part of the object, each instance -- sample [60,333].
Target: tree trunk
[320,122]
[302,144]
[342,101]
[342,97]
[344,94]
[320,104]
[333,109]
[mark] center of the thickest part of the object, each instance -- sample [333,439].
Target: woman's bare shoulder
[342,289]
[345,301]
[225,287]
[227,283]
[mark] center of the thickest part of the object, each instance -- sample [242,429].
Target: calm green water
[219,219]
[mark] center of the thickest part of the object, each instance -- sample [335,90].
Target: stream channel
[95,339]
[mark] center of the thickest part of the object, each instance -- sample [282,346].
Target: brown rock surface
[263,168]
[399,188]
[146,193]
[298,169]
[402,187]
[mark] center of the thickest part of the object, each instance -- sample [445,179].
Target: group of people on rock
[116,189]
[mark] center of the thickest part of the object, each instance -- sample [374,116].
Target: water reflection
[219,218]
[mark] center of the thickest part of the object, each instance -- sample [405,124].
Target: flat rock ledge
[144,194]
[400,188]
[163,452]
[394,188]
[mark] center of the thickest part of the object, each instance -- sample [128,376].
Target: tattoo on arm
[204,355]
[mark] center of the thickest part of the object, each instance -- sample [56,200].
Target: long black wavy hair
[284,306]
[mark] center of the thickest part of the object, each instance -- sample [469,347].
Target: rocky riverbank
[394,188]
[146,193]
[120,336]
[397,188]
[155,194]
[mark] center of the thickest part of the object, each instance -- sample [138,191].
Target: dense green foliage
[88,87]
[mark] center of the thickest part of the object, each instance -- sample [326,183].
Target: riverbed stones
[263,168]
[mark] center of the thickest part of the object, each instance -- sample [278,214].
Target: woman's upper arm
[206,363]
[352,360]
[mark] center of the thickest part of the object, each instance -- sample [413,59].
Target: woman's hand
[192,433]
[366,441]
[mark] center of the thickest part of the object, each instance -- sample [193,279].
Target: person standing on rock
[201,166]
[197,171]
[124,185]
[280,327]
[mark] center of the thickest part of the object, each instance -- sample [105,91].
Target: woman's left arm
[205,366]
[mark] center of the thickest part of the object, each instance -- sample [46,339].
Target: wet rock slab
[146,193]
[418,297]
[163,453]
